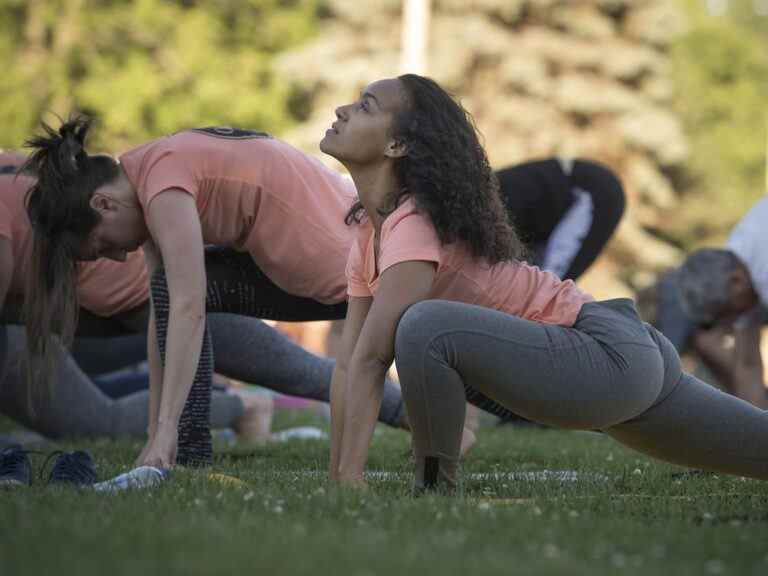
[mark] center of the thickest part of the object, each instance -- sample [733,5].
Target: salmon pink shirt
[256,194]
[11,158]
[512,287]
[104,287]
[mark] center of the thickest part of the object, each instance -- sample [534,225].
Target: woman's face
[120,230]
[361,134]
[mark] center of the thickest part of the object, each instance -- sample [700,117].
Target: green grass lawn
[623,514]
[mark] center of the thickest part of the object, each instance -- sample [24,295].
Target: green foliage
[721,70]
[147,67]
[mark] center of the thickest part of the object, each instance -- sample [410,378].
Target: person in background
[716,304]
[564,209]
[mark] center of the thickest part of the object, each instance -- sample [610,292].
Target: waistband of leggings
[624,306]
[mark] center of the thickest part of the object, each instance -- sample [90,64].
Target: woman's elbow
[371,363]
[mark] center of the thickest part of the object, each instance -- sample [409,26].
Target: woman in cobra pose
[436,283]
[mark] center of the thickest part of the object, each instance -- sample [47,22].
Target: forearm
[361,406]
[748,366]
[186,326]
[338,389]
[718,359]
[748,385]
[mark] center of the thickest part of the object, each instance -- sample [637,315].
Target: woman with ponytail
[111,335]
[275,215]
[113,299]
[113,311]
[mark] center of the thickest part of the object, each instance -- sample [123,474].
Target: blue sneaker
[15,468]
[74,468]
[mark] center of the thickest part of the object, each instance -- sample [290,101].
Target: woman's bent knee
[417,326]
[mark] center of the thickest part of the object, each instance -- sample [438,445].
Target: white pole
[415,36]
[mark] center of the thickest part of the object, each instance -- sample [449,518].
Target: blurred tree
[721,70]
[147,67]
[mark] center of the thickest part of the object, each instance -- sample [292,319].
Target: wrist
[166,427]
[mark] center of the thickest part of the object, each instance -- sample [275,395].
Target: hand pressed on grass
[160,451]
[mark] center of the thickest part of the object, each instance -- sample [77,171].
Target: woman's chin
[325,148]
[328,148]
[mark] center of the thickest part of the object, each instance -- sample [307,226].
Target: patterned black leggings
[236,286]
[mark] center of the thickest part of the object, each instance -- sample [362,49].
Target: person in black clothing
[564,210]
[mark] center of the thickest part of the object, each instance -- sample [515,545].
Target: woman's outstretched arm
[174,223]
[400,286]
[357,311]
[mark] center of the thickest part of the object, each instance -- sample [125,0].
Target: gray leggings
[608,372]
[78,407]
[246,349]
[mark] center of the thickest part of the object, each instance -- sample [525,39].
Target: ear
[100,203]
[396,149]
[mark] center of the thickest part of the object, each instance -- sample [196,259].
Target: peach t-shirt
[11,158]
[259,195]
[104,287]
[512,287]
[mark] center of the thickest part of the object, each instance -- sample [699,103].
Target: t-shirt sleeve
[357,286]
[164,172]
[411,238]
[106,287]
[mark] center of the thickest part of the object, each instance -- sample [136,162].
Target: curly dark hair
[58,205]
[447,173]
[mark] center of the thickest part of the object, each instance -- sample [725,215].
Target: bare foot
[468,440]
[255,424]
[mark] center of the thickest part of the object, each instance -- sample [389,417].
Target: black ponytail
[58,205]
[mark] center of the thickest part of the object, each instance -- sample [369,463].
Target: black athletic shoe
[75,468]
[15,468]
